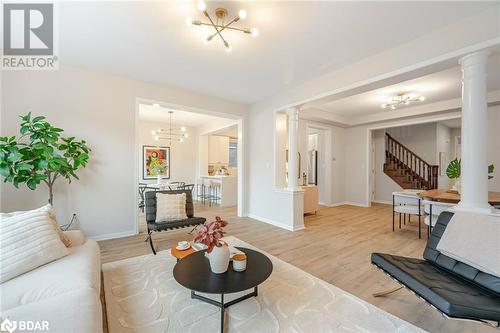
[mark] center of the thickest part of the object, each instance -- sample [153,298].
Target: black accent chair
[153,226]
[454,288]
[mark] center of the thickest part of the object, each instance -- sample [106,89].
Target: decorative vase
[219,259]
[158,179]
[457,185]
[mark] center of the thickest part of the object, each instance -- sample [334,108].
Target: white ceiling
[160,114]
[440,86]
[297,40]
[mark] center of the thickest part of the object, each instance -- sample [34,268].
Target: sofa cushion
[78,311]
[449,293]
[79,270]
[47,208]
[433,255]
[27,241]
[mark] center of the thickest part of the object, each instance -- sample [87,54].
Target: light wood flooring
[335,247]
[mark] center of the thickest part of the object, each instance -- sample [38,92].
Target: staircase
[406,168]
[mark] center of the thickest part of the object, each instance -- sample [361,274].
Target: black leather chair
[456,289]
[153,226]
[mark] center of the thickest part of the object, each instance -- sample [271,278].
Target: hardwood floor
[335,246]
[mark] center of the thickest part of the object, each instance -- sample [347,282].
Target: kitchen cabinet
[218,149]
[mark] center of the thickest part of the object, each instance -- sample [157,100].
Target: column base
[474,209]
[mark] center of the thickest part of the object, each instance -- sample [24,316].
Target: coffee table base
[223,305]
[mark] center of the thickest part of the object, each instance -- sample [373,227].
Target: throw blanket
[473,239]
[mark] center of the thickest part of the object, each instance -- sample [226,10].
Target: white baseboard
[383,202]
[357,204]
[113,235]
[272,222]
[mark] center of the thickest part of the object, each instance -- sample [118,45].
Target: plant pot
[457,185]
[219,259]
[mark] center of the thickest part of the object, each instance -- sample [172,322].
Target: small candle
[239,262]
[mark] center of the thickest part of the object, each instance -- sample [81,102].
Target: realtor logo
[28,36]
[8,326]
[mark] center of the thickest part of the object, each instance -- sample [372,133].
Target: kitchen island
[228,188]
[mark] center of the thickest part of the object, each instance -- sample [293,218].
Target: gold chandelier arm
[216,29]
[247,31]
[224,27]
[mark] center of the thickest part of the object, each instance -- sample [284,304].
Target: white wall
[101,109]
[443,141]
[494,146]
[421,139]
[384,185]
[182,154]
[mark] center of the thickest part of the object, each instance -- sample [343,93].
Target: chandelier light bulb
[242,14]
[181,140]
[407,102]
[153,132]
[384,106]
[183,129]
[185,135]
[228,48]
[254,32]
[189,21]
[157,138]
[393,107]
[202,5]
[421,98]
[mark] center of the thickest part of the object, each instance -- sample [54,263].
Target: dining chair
[407,203]
[433,209]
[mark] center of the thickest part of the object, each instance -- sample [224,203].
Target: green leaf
[38,118]
[32,183]
[453,169]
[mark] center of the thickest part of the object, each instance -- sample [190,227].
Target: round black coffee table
[193,272]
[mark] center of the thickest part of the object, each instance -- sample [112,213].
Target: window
[233,153]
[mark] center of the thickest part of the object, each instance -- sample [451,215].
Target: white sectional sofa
[65,292]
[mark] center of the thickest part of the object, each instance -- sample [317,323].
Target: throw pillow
[28,240]
[48,208]
[170,207]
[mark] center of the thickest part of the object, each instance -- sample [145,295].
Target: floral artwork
[210,234]
[156,161]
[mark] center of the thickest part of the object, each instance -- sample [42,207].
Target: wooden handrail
[425,173]
[405,148]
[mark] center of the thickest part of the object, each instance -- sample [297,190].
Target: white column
[293,152]
[474,165]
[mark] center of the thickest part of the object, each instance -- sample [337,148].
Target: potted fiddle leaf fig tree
[453,171]
[41,154]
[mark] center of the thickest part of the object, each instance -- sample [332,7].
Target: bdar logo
[8,326]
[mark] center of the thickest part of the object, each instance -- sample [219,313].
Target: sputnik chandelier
[219,25]
[170,134]
[402,99]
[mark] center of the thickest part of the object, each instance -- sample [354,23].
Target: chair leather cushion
[159,226]
[449,293]
[431,254]
[150,203]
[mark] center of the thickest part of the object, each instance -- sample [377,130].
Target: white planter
[219,259]
[457,185]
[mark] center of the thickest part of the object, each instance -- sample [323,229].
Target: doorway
[176,135]
[319,160]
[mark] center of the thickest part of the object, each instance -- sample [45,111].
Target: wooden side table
[181,254]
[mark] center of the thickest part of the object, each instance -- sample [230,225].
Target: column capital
[292,110]
[476,58]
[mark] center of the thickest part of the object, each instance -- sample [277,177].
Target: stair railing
[423,173]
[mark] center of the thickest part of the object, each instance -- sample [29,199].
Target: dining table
[452,196]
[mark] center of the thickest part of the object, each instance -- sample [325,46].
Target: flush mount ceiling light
[402,99]
[220,24]
[170,134]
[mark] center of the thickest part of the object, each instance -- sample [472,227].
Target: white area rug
[143,296]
